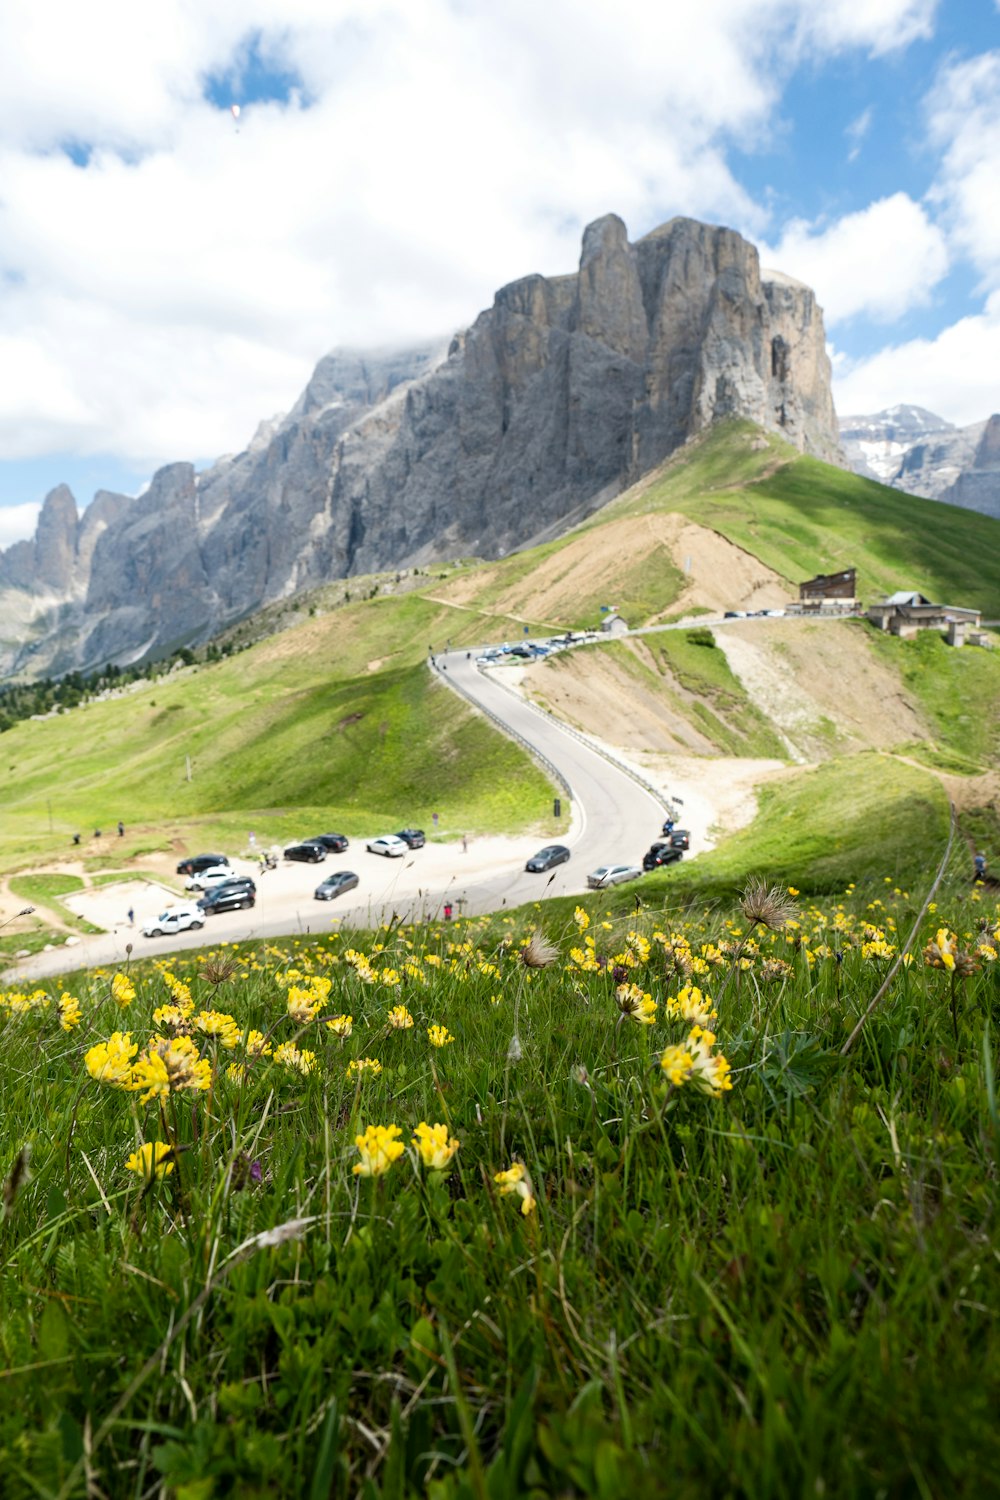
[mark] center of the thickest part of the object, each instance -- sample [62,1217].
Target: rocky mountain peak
[562,393]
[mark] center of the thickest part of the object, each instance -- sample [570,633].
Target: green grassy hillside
[337,720]
[800,517]
[803,517]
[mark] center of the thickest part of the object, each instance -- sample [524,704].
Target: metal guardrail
[666,802]
[547,765]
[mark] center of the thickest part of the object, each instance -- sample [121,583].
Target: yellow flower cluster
[153,1159]
[400,1018]
[378,1148]
[69,1011]
[216,1023]
[439,1036]
[637,1005]
[359,1066]
[287,1055]
[434,1146]
[122,991]
[341,1026]
[694,1061]
[516,1180]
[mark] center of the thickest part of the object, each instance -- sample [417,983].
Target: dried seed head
[538,952]
[767,905]
[218,970]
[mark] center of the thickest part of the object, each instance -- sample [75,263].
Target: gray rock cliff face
[564,392]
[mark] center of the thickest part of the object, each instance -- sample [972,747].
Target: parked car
[680,838]
[336,885]
[174,919]
[663,853]
[606,875]
[548,858]
[232,896]
[197,862]
[336,843]
[413,838]
[203,880]
[390,844]
[311,852]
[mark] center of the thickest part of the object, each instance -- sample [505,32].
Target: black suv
[335,842]
[664,853]
[414,837]
[310,852]
[232,895]
[198,862]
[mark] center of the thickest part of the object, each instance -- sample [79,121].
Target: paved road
[613,820]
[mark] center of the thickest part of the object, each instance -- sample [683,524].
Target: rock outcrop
[564,392]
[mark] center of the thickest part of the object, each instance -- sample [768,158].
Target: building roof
[907,597]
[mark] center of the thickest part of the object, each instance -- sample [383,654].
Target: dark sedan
[336,885]
[311,853]
[548,858]
[336,843]
[413,837]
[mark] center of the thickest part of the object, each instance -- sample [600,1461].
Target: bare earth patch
[720,574]
[821,685]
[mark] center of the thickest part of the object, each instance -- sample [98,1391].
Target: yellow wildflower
[517,1180]
[151,1160]
[677,1063]
[434,1146]
[691,1004]
[168,1065]
[378,1148]
[359,1066]
[69,1011]
[341,1026]
[122,990]
[217,1023]
[635,1004]
[439,1036]
[289,1056]
[581,919]
[400,1018]
[258,1045]
[111,1061]
[709,1073]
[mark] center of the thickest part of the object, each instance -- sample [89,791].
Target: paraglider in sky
[234,110]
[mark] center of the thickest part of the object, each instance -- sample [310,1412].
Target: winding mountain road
[614,818]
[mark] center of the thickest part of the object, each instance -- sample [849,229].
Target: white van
[174,919]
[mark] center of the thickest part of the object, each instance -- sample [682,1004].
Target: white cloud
[159,300]
[17,522]
[879,262]
[856,132]
[953,375]
[964,123]
[881,26]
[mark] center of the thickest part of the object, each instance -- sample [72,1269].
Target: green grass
[959,692]
[807,517]
[784,1291]
[45,888]
[348,728]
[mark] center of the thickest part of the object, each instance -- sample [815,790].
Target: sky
[170,273]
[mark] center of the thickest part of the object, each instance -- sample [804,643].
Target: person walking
[979,864]
[131,917]
[121,829]
[465,843]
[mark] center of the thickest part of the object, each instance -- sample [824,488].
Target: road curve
[614,818]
